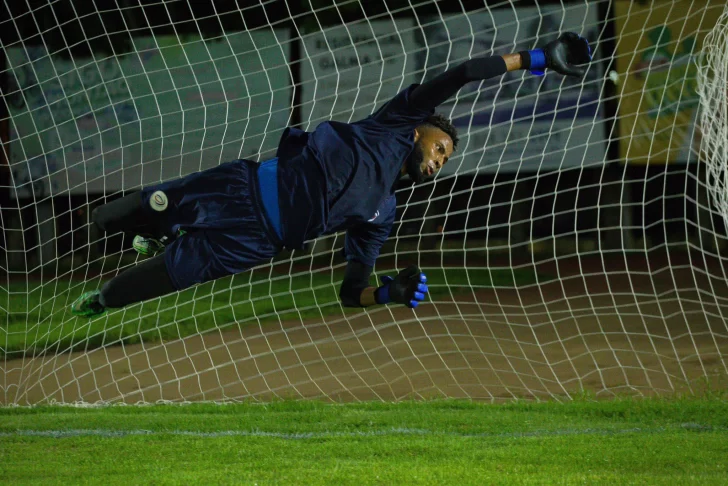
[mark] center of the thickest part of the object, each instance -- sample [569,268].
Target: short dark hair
[445,124]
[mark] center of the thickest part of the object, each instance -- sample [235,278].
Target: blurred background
[101,98]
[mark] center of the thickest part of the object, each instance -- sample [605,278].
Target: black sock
[124,214]
[144,281]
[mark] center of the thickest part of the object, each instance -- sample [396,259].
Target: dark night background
[662,199]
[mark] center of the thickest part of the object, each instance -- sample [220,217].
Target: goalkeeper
[341,176]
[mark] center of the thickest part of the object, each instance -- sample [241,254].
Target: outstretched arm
[444,86]
[361,249]
[408,287]
[562,55]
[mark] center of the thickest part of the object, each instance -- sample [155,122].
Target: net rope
[712,83]
[571,244]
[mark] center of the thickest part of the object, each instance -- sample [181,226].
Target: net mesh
[572,244]
[712,82]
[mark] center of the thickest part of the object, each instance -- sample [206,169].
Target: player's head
[435,141]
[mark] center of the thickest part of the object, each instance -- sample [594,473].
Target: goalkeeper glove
[408,288]
[561,55]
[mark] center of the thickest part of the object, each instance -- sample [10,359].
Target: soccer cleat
[147,246]
[88,305]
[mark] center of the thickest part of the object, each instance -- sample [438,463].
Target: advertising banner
[658,44]
[510,123]
[348,71]
[169,107]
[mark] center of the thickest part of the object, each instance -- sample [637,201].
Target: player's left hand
[565,54]
[409,287]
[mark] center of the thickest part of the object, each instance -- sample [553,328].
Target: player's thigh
[206,199]
[122,214]
[204,255]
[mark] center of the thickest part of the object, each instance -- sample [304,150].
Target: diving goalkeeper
[341,176]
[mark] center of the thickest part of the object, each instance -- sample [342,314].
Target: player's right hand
[409,287]
[566,53]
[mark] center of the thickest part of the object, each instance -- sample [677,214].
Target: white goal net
[574,244]
[712,83]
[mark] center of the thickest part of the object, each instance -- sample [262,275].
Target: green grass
[34,316]
[440,442]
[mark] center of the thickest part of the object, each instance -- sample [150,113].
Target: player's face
[433,148]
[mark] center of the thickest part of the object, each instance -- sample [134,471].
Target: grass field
[38,320]
[608,442]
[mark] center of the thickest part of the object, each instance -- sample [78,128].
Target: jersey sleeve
[364,241]
[399,113]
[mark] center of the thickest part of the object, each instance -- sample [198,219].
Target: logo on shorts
[376,215]
[158,201]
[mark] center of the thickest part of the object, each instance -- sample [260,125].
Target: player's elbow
[356,279]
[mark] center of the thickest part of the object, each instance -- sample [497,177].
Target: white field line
[110,433]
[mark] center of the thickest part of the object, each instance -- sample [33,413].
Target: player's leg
[144,281]
[195,257]
[124,214]
[210,199]
[128,214]
[226,234]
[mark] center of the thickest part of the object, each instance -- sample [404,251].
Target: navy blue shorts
[226,231]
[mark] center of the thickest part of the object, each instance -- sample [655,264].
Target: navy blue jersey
[220,212]
[339,175]
[364,240]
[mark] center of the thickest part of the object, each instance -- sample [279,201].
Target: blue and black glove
[409,287]
[564,55]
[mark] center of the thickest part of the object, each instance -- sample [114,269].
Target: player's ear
[417,135]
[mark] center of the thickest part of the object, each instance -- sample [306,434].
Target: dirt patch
[634,331]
